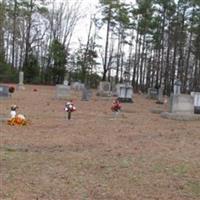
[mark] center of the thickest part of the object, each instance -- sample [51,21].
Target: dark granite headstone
[153,93]
[4,91]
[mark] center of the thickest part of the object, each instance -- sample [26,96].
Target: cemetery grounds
[136,156]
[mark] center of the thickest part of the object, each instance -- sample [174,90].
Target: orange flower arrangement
[18,120]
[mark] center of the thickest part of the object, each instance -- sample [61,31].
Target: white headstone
[177,87]
[62,91]
[21,81]
[181,103]
[124,92]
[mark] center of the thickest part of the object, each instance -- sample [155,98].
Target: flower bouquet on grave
[11,89]
[16,119]
[116,107]
[69,108]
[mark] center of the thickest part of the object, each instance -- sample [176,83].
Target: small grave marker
[21,81]
[62,91]
[153,93]
[86,94]
[4,92]
[104,89]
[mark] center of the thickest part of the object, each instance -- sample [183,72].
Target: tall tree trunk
[130,57]
[86,54]
[149,69]
[121,65]
[118,57]
[135,60]
[2,12]
[138,63]
[181,49]
[168,66]
[106,45]
[145,69]
[158,70]
[173,68]
[28,32]
[163,47]
[188,54]
[14,33]
[142,60]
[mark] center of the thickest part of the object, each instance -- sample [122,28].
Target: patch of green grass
[193,187]
[180,170]
[124,163]
[159,168]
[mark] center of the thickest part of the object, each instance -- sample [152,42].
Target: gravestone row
[123,92]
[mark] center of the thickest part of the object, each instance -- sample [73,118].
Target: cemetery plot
[138,156]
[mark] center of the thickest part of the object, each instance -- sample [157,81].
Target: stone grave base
[197,109]
[109,98]
[156,110]
[180,116]
[159,102]
[20,87]
[125,100]
[103,94]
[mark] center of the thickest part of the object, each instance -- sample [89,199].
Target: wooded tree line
[155,41]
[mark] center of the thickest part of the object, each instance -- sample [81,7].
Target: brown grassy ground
[137,156]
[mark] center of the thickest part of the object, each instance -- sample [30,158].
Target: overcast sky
[88,8]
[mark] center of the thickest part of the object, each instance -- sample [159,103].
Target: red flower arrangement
[116,106]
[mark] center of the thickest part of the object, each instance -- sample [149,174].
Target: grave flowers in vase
[116,107]
[69,108]
[11,89]
[16,119]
